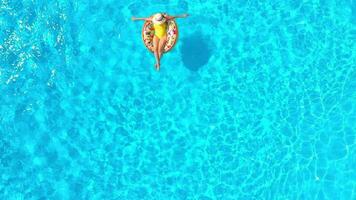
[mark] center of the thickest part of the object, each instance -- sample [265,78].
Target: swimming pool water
[256,101]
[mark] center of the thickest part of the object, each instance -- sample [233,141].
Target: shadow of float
[196,51]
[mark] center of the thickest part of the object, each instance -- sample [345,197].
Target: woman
[160,26]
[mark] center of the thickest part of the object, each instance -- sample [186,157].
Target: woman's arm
[178,16]
[141,18]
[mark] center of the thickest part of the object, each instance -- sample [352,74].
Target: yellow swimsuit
[160,30]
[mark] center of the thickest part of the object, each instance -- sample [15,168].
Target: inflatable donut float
[148,33]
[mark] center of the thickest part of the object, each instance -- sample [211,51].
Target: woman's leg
[155,50]
[161,45]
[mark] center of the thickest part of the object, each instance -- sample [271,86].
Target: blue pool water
[256,101]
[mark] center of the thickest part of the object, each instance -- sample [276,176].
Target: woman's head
[158,18]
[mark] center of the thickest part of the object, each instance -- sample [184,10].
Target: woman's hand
[185,15]
[133,18]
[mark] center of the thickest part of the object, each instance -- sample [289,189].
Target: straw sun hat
[158,18]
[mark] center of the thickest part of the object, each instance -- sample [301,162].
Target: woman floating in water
[155,34]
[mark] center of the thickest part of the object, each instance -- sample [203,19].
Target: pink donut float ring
[148,33]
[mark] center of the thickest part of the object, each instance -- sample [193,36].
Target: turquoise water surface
[256,101]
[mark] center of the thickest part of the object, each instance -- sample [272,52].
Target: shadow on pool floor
[196,51]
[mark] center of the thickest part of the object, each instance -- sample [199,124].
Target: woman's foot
[157,66]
